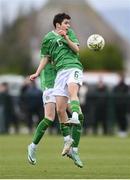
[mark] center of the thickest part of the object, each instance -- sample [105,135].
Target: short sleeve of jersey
[72,36]
[44,47]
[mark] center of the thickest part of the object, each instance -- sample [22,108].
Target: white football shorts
[64,77]
[48,96]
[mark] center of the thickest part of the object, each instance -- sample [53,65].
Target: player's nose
[68,25]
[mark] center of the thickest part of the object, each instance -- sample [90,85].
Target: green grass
[103,158]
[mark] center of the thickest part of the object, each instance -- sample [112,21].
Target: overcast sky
[10,8]
[110,4]
[12,5]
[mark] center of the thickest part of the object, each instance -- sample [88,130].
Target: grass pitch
[103,158]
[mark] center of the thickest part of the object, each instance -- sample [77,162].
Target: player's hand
[62,33]
[33,76]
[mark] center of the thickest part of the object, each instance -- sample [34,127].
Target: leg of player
[61,105]
[73,89]
[49,109]
[77,115]
[76,131]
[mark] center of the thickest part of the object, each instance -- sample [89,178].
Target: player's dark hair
[58,18]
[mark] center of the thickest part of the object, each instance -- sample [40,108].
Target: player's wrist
[37,74]
[66,37]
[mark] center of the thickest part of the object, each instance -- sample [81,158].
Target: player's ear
[57,25]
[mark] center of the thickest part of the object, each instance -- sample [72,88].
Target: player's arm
[71,44]
[41,66]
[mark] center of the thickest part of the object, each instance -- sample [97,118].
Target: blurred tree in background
[109,59]
[14,48]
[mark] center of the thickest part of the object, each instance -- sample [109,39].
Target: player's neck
[56,30]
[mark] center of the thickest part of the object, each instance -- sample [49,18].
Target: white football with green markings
[96,42]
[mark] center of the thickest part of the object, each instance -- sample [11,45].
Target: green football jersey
[48,74]
[61,54]
[47,77]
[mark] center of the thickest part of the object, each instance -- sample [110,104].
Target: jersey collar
[55,33]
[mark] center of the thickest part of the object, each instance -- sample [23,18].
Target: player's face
[65,25]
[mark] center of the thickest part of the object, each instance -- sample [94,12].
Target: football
[96,42]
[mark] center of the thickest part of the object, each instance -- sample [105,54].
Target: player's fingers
[31,78]
[61,32]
